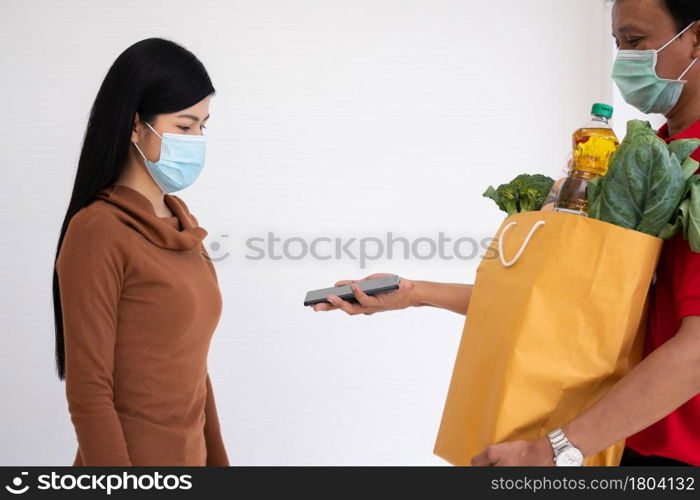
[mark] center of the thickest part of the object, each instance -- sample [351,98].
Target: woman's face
[647,25]
[190,121]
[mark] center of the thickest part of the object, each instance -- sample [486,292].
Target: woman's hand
[370,304]
[517,453]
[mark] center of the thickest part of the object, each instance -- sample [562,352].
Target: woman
[136,298]
[656,406]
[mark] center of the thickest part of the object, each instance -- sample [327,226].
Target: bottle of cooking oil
[593,145]
[554,192]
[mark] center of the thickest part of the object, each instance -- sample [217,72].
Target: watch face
[570,456]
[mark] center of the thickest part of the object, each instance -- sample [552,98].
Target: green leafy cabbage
[646,182]
[687,217]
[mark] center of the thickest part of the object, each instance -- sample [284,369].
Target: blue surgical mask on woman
[635,74]
[180,163]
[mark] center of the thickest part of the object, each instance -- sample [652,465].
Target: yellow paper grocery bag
[557,316]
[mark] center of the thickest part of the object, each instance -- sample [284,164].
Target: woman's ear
[135,128]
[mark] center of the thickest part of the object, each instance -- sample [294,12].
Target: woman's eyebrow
[193,117]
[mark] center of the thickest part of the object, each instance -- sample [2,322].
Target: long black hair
[151,77]
[683,12]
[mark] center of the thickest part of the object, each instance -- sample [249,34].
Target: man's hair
[683,12]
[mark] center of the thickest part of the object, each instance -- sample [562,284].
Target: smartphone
[370,287]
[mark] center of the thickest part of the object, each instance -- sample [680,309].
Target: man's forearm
[451,296]
[659,384]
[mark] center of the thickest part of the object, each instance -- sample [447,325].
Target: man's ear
[696,42]
[135,128]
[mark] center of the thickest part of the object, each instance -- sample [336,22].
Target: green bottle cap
[600,109]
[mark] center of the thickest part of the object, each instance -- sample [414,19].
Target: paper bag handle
[522,247]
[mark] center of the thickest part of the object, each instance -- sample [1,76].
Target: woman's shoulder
[95,246]
[96,226]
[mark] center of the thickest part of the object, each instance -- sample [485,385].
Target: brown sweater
[140,302]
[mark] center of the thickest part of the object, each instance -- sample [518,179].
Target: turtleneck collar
[138,212]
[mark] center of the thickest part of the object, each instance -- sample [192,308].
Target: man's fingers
[323,306]
[346,306]
[483,459]
[378,275]
[348,282]
[364,299]
[343,282]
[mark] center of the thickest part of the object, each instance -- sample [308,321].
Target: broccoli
[525,193]
[533,190]
[506,197]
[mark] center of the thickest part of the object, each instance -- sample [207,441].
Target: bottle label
[593,153]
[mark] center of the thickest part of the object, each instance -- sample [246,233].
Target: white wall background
[333,118]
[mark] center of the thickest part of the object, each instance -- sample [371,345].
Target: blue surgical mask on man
[634,72]
[181,160]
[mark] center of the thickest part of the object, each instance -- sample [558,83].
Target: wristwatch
[565,453]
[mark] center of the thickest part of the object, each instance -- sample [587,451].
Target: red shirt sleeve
[686,278]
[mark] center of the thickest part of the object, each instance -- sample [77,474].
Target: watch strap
[559,440]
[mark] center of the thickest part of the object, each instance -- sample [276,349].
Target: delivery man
[656,406]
